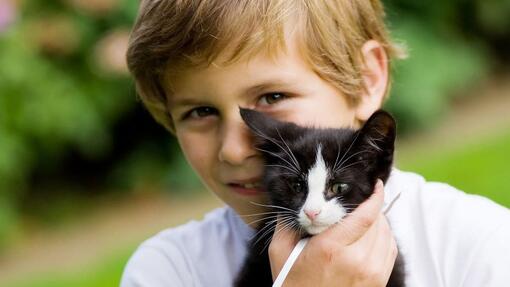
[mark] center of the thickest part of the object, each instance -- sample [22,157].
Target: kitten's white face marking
[326,212]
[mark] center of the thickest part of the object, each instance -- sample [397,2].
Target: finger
[283,242]
[382,252]
[361,219]
[391,256]
[373,234]
[382,239]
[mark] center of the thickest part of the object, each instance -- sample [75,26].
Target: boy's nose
[236,144]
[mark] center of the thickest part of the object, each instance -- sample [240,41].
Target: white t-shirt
[448,238]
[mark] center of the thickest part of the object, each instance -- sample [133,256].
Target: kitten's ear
[380,130]
[268,131]
[376,142]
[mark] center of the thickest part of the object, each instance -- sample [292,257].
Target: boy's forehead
[253,73]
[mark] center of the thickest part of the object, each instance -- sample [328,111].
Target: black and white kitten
[315,177]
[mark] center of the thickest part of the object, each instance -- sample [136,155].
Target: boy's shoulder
[442,206]
[444,200]
[208,250]
[446,235]
[219,222]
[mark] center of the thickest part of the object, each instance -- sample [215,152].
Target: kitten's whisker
[337,155]
[371,141]
[288,226]
[264,213]
[351,164]
[284,225]
[288,174]
[274,206]
[269,239]
[282,214]
[340,167]
[262,219]
[290,151]
[350,156]
[283,166]
[278,156]
[272,140]
[349,204]
[348,149]
[271,226]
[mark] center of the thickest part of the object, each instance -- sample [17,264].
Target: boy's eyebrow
[253,90]
[179,104]
[262,87]
[186,102]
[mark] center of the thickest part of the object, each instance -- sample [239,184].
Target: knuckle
[385,224]
[373,275]
[394,248]
[357,262]
[325,250]
[273,249]
[367,273]
[365,221]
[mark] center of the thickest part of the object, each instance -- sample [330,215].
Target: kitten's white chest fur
[317,213]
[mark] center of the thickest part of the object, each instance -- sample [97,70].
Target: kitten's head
[317,176]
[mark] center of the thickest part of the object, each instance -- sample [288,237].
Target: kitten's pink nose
[312,214]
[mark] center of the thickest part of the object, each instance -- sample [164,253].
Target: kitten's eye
[298,186]
[271,98]
[340,188]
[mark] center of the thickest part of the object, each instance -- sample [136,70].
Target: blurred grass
[479,167]
[107,273]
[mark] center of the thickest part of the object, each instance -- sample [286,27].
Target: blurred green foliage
[479,167]
[452,47]
[53,98]
[438,68]
[62,102]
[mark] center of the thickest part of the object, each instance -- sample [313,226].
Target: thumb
[283,242]
[354,225]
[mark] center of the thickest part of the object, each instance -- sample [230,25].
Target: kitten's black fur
[366,155]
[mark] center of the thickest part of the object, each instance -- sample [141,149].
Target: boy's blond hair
[170,35]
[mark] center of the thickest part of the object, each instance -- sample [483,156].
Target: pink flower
[7,14]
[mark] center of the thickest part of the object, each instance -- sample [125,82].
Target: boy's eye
[271,98]
[200,112]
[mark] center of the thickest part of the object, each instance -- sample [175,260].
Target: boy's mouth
[246,187]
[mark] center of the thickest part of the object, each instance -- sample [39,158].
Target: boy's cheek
[198,152]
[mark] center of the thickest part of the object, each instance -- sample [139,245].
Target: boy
[312,62]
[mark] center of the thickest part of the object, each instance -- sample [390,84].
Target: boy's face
[205,108]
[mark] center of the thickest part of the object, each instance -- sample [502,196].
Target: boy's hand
[359,251]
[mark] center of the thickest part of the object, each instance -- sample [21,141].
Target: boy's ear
[267,131]
[375,79]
